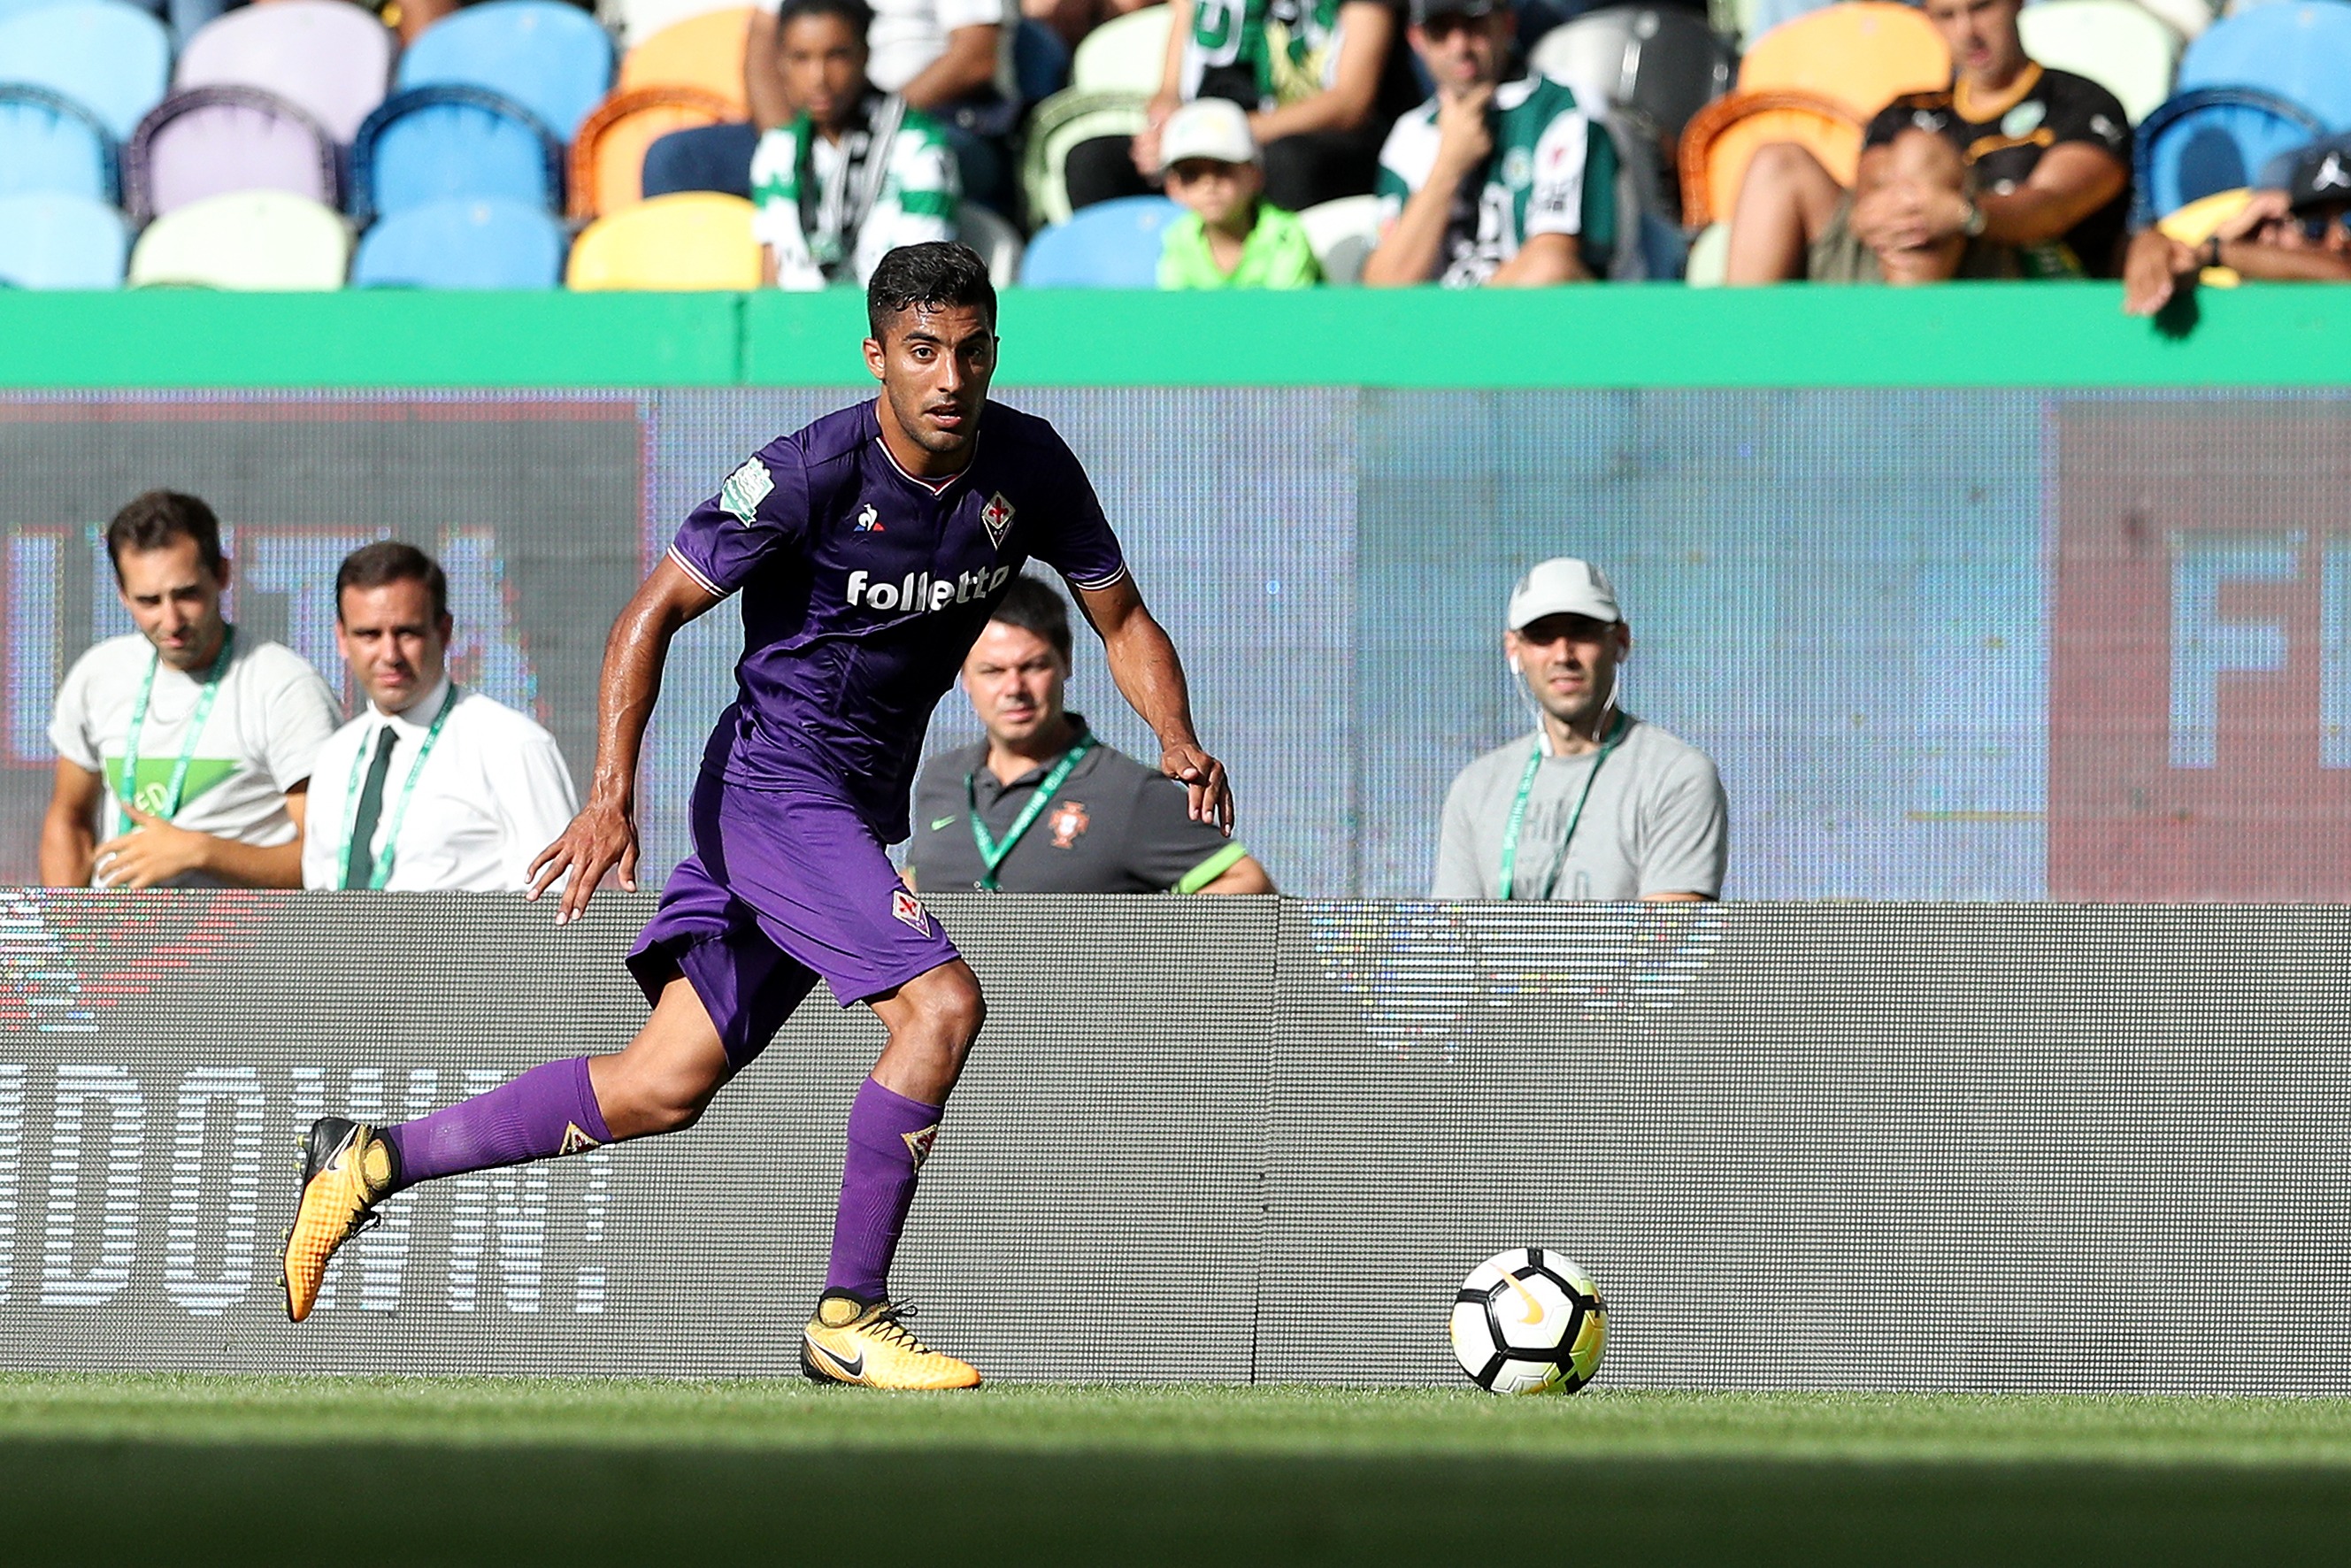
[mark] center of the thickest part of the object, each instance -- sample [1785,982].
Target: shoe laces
[890,1323]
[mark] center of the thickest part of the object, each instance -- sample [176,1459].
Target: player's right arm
[604,834]
[70,830]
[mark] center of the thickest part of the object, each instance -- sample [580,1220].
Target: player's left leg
[857,1335]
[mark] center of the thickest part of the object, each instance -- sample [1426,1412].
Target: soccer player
[869,548]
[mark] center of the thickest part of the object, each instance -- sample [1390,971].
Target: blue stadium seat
[52,145]
[551,58]
[50,241]
[1110,245]
[444,144]
[484,244]
[113,59]
[2213,139]
[2299,52]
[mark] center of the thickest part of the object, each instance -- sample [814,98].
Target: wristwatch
[1972,226]
[2212,251]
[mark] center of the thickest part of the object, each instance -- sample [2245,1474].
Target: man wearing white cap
[1598,805]
[1228,237]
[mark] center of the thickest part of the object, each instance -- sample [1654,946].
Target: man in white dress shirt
[432,787]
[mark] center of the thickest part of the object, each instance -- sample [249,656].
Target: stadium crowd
[1189,144]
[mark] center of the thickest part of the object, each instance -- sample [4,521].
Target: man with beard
[1600,805]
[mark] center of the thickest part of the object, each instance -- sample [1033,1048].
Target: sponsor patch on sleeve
[745,489]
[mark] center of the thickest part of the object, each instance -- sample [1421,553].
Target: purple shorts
[784,887]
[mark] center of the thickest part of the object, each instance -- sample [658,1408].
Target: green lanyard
[1519,812]
[383,872]
[167,806]
[992,853]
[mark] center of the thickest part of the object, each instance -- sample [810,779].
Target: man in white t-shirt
[1597,804]
[183,748]
[431,787]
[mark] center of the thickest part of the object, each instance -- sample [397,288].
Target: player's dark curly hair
[932,276]
[156,518]
[1033,605]
[857,13]
[388,561]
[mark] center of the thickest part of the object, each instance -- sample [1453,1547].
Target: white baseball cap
[1207,128]
[1563,586]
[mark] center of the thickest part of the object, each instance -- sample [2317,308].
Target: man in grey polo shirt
[1041,806]
[1597,804]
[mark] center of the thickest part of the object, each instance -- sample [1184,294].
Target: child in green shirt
[1228,237]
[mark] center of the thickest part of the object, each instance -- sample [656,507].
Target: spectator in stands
[940,56]
[1600,805]
[1895,200]
[2049,153]
[1320,80]
[1228,237]
[1041,806]
[1073,19]
[856,172]
[1494,183]
[183,749]
[429,787]
[2301,234]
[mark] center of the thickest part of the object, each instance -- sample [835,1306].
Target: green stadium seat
[1343,234]
[1125,54]
[266,240]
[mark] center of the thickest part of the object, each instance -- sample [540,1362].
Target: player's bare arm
[603,836]
[1151,677]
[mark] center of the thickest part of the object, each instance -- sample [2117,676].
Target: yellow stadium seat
[608,156]
[2195,222]
[1863,53]
[703,52]
[697,239]
[1721,138]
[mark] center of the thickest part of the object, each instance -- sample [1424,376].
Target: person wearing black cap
[2301,233]
[1491,182]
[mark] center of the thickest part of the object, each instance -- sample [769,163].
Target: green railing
[2037,335]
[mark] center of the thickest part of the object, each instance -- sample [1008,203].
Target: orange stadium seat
[1723,137]
[608,156]
[1863,53]
[703,52]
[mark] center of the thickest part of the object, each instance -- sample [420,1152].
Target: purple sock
[551,1110]
[889,1138]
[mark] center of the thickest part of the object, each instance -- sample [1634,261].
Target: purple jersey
[864,588]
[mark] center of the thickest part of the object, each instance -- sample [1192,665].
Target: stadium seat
[113,59]
[608,156]
[1342,233]
[2299,52]
[2117,44]
[50,241]
[1060,124]
[635,21]
[1110,245]
[1863,53]
[998,242]
[2196,223]
[209,141]
[695,240]
[1661,63]
[1125,54]
[485,244]
[52,145]
[1709,257]
[551,58]
[2209,141]
[264,240]
[331,58]
[1722,139]
[702,52]
[446,143]
[11,7]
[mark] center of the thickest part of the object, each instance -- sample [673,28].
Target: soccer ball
[1530,1320]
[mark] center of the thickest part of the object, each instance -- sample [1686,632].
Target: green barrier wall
[1988,335]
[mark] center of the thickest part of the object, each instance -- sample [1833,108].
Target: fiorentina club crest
[998,517]
[904,906]
[919,1144]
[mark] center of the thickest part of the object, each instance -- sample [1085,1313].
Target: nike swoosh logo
[938,822]
[846,1368]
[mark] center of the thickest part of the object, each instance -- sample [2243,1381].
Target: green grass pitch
[159,1469]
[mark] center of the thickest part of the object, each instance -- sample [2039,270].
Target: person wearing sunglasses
[2301,233]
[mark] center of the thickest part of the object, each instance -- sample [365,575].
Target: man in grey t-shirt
[1596,804]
